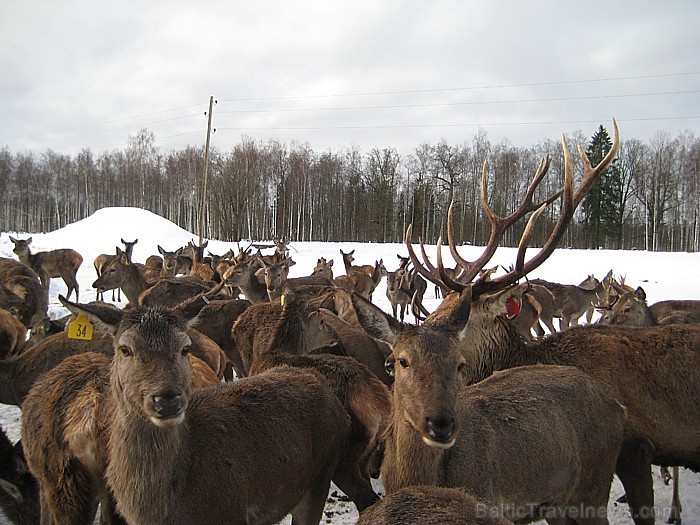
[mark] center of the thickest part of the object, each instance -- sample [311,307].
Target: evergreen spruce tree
[601,207]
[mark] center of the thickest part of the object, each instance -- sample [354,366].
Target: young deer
[160,472]
[102,260]
[63,263]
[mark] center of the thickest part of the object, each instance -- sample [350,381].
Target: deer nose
[167,406]
[441,429]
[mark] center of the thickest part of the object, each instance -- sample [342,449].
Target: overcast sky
[374,73]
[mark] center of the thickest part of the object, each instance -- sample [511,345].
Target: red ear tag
[512,307]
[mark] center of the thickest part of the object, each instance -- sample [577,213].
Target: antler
[499,225]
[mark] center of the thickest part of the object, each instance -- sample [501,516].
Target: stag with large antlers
[657,427]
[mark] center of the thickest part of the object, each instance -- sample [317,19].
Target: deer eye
[403,362]
[126,351]
[461,367]
[186,349]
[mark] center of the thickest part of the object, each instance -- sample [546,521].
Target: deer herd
[228,391]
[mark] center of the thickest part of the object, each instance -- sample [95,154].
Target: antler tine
[416,263]
[426,259]
[570,200]
[499,225]
[590,173]
[449,282]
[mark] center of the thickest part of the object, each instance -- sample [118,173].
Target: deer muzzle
[441,432]
[167,409]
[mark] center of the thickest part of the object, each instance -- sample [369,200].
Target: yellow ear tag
[80,328]
[282,299]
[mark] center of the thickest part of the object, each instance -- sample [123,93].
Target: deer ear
[106,318]
[453,312]
[640,294]
[375,321]
[330,263]
[29,241]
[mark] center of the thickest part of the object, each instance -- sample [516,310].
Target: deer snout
[167,408]
[441,431]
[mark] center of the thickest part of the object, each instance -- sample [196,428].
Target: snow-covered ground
[662,275]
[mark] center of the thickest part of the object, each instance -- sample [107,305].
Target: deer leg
[675,515]
[350,480]
[634,470]
[310,509]
[665,475]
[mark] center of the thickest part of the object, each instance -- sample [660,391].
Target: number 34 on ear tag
[80,328]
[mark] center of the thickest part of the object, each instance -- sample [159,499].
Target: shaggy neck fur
[408,460]
[142,455]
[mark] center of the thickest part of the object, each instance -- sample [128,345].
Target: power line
[462,125]
[470,103]
[463,88]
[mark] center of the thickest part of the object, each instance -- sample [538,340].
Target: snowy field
[662,275]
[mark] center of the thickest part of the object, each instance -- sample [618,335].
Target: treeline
[648,199]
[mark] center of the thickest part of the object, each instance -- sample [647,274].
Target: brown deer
[175,263]
[63,263]
[426,505]
[353,341]
[323,268]
[13,335]
[181,475]
[244,276]
[572,301]
[132,278]
[254,328]
[215,321]
[276,277]
[506,439]
[633,365]
[21,292]
[630,309]
[65,425]
[18,374]
[364,397]
[102,260]
[19,493]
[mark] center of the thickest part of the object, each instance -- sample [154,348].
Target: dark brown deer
[426,505]
[215,321]
[295,414]
[633,365]
[19,493]
[65,425]
[102,260]
[364,397]
[21,292]
[63,263]
[254,328]
[13,335]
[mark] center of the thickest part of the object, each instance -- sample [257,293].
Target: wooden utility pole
[203,197]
